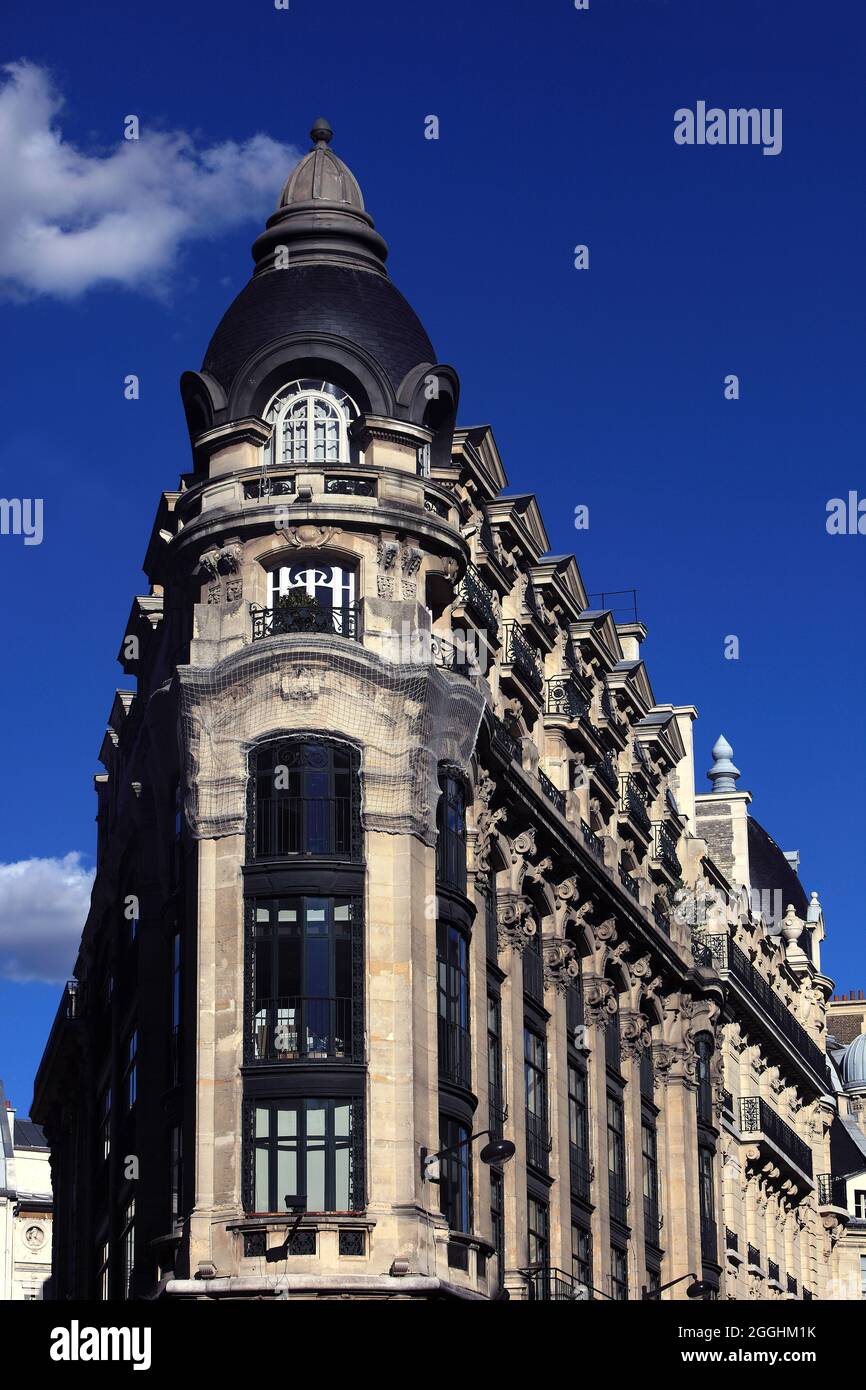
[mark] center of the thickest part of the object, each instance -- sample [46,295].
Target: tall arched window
[311,421]
[304,799]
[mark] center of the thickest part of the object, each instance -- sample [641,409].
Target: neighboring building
[25,1207]
[397,847]
[846,1016]
[843,1188]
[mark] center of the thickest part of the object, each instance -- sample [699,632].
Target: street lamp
[497,1151]
[698,1288]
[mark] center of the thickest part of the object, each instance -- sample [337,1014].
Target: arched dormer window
[304,799]
[311,421]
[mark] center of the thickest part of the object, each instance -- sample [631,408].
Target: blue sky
[604,387]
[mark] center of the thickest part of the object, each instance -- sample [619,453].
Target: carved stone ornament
[515,926]
[561,964]
[599,1001]
[309,536]
[635,1035]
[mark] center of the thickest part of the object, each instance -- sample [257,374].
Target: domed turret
[852,1064]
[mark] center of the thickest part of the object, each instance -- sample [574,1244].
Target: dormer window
[311,424]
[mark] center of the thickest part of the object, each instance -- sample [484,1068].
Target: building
[846,1016]
[400,857]
[25,1207]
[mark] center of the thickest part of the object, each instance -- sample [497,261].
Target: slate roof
[770,870]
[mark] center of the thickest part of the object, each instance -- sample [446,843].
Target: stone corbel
[635,1034]
[561,964]
[599,1001]
[514,923]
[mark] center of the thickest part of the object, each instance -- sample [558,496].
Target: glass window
[860,1203]
[578,1132]
[131,1071]
[618,1274]
[176,1171]
[307,800]
[320,594]
[103,1275]
[612,1042]
[496,1098]
[452,960]
[303,1150]
[708,1201]
[455,1174]
[451,841]
[311,419]
[535,1080]
[863,1276]
[497,1219]
[616,1159]
[649,1147]
[127,1242]
[581,1255]
[539,1234]
[174,1047]
[705,1091]
[105,1122]
[306,981]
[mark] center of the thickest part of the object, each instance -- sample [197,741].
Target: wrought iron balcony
[732,1240]
[580,1172]
[773,1271]
[566,696]
[537,1142]
[756,1117]
[350,486]
[450,655]
[728,956]
[662,922]
[473,593]
[618,1198]
[551,792]
[592,841]
[754,1255]
[701,954]
[292,1027]
[304,618]
[832,1191]
[455,1053]
[666,852]
[629,883]
[606,770]
[520,654]
[727,1104]
[507,739]
[632,804]
[791,1285]
[551,1285]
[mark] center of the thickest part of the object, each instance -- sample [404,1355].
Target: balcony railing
[303,618]
[756,1117]
[537,1142]
[728,956]
[832,1192]
[773,1271]
[592,841]
[606,770]
[628,883]
[618,1198]
[632,804]
[550,1285]
[727,1104]
[732,1240]
[453,655]
[665,851]
[662,922]
[551,792]
[754,1256]
[509,741]
[455,1053]
[473,593]
[291,1027]
[565,696]
[791,1285]
[519,653]
[580,1172]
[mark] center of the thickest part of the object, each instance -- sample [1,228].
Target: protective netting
[404,718]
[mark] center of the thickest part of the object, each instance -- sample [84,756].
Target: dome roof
[321,176]
[852,1064]
[320,270]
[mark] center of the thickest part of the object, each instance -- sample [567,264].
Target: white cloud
[43,908]
[70,220]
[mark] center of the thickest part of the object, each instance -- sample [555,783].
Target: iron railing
[832,1192]
[606,770]
[450,655]
[506,738]
[455,1053]
[304,618]
[550,1285]
[294,1026]
[791,1284]
[754,1255]
[732,1240]
[292,825]
[565,695]
[473,593]
[592,841]
[628,883]
[756,1117]
[773,1271]
[351,487]
[728,956]
[665,851]
[552,793]
[520,654]
[727,1104]
[661,921]
[537,1141]
[632,804]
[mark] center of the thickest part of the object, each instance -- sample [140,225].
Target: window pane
[262,1198]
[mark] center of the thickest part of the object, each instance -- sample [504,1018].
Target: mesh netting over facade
[405,720]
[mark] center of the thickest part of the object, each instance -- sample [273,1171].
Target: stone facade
[542,913]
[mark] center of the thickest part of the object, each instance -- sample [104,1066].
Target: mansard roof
[520,511]
[770,871]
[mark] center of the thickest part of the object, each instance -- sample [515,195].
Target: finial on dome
[321,133]
[815,909]
[723,774]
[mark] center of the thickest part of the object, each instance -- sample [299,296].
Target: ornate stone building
[25,1208]
[399,853]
